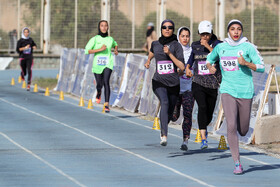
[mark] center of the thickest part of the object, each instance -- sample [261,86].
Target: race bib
[165,67]
[102,60]
[229,63]
[202,68]
[27,51]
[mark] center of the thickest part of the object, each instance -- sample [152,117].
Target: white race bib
[229,63]
[165,67]
[202,68]
[102,60]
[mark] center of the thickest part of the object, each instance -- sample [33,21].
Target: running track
[47,142]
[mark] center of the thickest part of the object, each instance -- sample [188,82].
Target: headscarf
[165,40]
[241,40]
[99,31]
[186,48]
[22,33]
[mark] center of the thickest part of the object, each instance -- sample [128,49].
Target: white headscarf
[22,33]
[186,48]
[241,40]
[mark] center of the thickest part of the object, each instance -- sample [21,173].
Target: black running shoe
[184,147]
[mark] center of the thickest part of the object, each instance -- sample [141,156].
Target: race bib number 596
[165,67]
[229,63]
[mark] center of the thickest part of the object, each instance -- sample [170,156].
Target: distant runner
[103,62]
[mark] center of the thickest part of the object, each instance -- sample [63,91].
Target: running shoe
[107,110]
[163,141]
[204,144]
[184,145]
[28,87]
[238,169]
[98,99]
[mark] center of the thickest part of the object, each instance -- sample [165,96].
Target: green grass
[45,82]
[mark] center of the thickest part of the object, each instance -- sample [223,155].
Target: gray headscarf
[241,40]
[22,33]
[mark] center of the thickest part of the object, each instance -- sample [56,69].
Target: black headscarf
[99,31]
[149,31]
[165,40]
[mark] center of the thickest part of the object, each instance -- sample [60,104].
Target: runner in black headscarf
[25,47]
[169,57]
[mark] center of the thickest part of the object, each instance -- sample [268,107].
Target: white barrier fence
[131,85]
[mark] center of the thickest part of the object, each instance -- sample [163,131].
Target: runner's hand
[103,47]
[212,69]
[116,52]
[188,73]
[147,64]
[203,42]
[241,60]
[166,49]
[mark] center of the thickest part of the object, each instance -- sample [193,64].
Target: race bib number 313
[229,63]
[102,60]
[165,67]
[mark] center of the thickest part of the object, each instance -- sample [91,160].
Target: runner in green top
[237,58]
[101,45]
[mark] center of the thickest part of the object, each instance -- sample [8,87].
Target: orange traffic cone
[35,88]
[61,96]
[90,106]
[198,137]
[156,124]
[23,84]
[103,110]
[19,79]
[222,143]
[47,92]
[13,82]
[81,103]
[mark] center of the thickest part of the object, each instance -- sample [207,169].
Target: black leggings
[206,101]
[26,64]
[103,79]
[168,98]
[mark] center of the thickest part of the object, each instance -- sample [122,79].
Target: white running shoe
[163,141]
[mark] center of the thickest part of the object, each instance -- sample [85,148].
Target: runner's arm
[150,57]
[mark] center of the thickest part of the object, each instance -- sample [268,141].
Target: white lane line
[170,134]
[114,146]
[245,157]
[42,160]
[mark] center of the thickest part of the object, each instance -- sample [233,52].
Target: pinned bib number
[202,68]
[165,67]
[229,63]
[102,60]
[27,51]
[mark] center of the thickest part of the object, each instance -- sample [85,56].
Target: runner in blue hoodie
[237,58]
